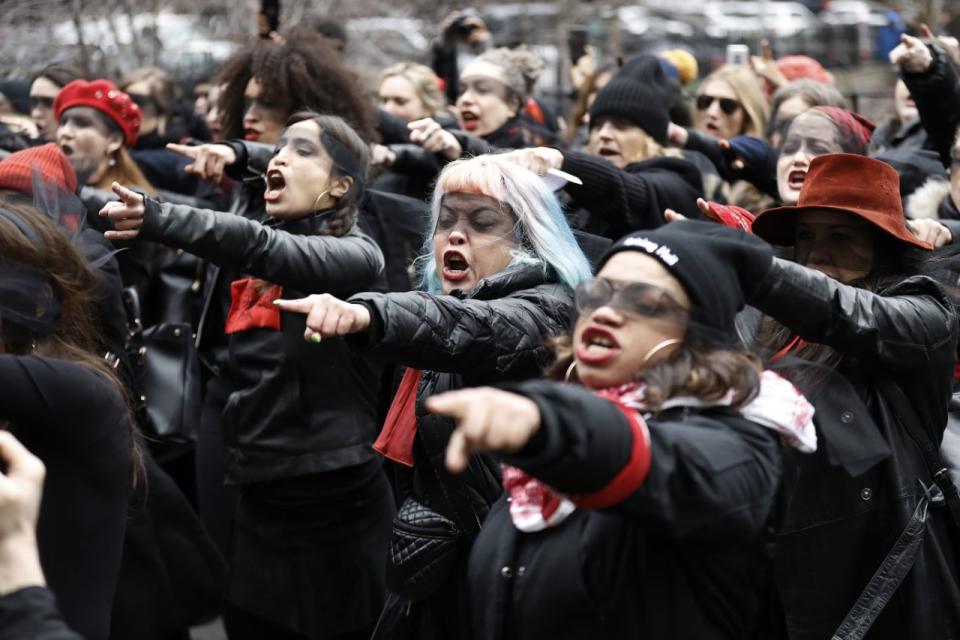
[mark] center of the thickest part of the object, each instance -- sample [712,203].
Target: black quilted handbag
[166,379]
[423,549]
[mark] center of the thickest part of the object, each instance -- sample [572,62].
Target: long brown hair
[75,337]
[696,369]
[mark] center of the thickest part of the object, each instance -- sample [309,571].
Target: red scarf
[400,427]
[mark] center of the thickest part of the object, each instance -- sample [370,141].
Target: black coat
[936,93]
[840,527]
[682,557]
[299,408]
[77,423]
[494,333]
[623,200]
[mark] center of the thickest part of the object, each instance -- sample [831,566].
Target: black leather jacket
[840,527]
[298,408]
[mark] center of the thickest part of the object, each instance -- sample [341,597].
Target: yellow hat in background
[685,63]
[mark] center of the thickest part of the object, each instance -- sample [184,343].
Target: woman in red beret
[97,124]
[873,499]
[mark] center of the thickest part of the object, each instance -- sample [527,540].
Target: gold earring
[657,348]
[569,372]
[317,201]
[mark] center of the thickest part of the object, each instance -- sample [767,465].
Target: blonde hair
[544,235]
[746,87]
[422,78]
[127,173]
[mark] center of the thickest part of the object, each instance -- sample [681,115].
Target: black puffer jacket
[683,556]
[623,200]
[299,408]
[839,528]
[493,334]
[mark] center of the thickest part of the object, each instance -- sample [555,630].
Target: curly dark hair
[302,73]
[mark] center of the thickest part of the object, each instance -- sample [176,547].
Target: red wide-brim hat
[849,183]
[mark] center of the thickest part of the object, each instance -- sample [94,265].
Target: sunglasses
[142,101]
[41,101]
[728,105]
[638,298]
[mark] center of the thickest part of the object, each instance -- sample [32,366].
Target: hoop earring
[317,201]
[569,372]
[657,348]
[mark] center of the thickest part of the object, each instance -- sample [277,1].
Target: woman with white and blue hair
[498,274]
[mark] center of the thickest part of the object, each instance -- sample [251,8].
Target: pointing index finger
[191,152]
[130,198]
[301,305]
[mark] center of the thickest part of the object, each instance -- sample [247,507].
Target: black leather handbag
[166,377]
[423,549]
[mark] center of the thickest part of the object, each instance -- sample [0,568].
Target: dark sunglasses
[728,105]
[142,101]
[638,298]
[41,101]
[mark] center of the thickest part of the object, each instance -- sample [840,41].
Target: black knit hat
[719,268]
[638,94]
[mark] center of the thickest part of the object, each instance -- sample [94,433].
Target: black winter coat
[300,408]
[682,557]
[492,334]
[623,200]
[936,92]
[839,527]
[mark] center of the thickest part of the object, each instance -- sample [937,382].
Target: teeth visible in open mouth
[468,116]
[796,177]
[275,180]
[600,341]
[455,262]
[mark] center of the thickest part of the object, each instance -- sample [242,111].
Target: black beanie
[719,268]
[642,104]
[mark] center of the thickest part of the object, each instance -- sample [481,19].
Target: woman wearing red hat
[97,124]
[872,500]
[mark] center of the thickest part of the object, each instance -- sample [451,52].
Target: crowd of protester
[436,359]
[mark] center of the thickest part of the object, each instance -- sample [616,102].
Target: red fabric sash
[400,427]
[251,305]
[796,343]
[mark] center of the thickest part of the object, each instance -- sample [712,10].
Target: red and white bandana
[779,406]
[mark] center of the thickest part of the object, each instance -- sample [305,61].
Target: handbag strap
[887,578]
[928,447]
[901,558]
[452,487]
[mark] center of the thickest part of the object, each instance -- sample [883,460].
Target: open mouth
[470,120]
[713,129]
[455,266]
[66,149]
[276,185]
[795,179]
[607,152]
[596,346]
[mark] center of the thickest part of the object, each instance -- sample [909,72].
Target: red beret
[16,170]
[103,96]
